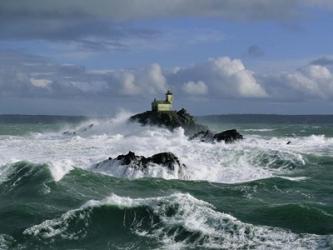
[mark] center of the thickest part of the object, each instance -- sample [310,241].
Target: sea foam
[181,221]
[255,157]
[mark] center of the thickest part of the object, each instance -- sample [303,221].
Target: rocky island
[169,120]
[131,164]
[162,115]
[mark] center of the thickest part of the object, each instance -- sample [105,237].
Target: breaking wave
[255,157]
[171,222]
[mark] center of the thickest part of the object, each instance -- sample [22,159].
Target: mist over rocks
[181,118]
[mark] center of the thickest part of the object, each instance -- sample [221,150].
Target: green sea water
[261,193]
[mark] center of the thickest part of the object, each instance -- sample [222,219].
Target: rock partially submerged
[126,165]
[227,136]
[166,159]
[169,120]
[81,130]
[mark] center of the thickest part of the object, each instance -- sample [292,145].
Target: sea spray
[253,158]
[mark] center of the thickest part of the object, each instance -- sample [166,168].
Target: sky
[99,57]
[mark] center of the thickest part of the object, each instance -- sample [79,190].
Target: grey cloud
[324,61]
[87,33]
[138,9]
[102,24]
[255,51]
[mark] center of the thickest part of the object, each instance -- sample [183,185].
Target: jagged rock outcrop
[227,136]
[125,165]
[165,159]
[170,120]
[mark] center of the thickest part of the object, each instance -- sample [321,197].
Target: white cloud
[237,78]
[129,86]
[147,81]
[154,80]
[40,83]
[195,88]
[225,77]
[312,80]
[221,78]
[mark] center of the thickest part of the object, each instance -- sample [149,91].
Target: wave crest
[174,221]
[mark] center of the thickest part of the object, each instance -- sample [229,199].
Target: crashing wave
[253,158]
[174,221]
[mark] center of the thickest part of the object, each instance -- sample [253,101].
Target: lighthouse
[160,105]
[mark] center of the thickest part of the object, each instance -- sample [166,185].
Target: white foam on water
[253,158]
[298,178]
[6,242]
[212,229]
[59,169]
[259,129]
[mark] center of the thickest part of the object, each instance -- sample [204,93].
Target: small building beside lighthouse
[160,105]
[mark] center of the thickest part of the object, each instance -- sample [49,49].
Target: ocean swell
[175,221]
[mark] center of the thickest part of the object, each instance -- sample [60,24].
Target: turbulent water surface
[259,193]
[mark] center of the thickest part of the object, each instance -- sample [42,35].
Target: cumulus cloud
[225,77]
[28,76]
[312,81]
[219,78]
[195,88]
[128,85]
[150,80]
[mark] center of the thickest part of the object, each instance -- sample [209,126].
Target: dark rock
[165,159]
[169,120]
[227,136]
[181,118]
[131,159]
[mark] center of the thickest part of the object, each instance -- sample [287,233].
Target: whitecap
[255,157]
[213,229]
